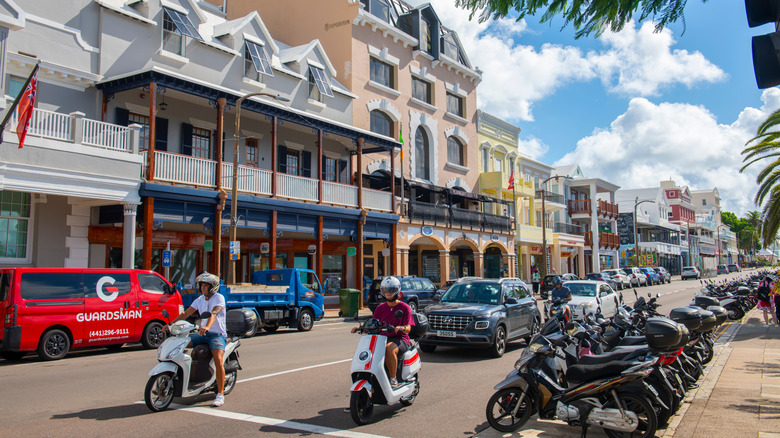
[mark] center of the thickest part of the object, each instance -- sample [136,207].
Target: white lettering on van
[114,292]
[108,316]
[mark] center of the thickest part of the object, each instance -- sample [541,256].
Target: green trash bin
[348,302]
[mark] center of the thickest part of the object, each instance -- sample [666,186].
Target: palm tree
[766,145]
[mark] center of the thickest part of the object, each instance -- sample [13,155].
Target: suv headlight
[481,325]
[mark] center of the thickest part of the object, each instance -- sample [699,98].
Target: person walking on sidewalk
[766,300]
[536,277]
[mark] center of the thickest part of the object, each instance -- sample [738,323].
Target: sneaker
[393,383]
[218,401]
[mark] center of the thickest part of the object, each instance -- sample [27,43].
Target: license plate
[445,334]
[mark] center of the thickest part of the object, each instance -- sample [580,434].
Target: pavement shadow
[336,418]
[461,355]
[768,369]
[766,408]
[31,357]
[107,413]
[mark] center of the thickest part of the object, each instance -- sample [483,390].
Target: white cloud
[634,62]
[651,142]
[533,147]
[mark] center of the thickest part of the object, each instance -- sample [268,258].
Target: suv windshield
[483,293]
[582,289]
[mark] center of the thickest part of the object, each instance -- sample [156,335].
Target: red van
[53,310]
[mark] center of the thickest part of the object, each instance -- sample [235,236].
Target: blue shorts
[214,341]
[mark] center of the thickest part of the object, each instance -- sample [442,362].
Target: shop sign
[427,231]
[495,237]
[235,249]
[312,249]
[351,251]
[265,248]
[208,245]
[386,252]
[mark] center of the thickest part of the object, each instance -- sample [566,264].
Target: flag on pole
[511,181]
[401,139]
[26,105]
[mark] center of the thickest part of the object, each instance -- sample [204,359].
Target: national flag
[401,139]
[511,181]
[25,108]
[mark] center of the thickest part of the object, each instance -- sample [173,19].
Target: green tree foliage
[590,17]
[765,146]
[747,235]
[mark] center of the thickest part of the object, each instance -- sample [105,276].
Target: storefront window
[332,270]
[430,266]
[184,264]
[260,262]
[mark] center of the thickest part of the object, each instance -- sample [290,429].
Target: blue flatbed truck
[280,298]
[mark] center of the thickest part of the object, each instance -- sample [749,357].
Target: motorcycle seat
[633,340]
[615,355]
[585,373]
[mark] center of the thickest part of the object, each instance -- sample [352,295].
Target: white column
[594,228]
[128,236]
[77,241]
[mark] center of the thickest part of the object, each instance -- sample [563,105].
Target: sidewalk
[740,396]
[332,316]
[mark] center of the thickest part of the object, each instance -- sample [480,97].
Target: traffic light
[766,48]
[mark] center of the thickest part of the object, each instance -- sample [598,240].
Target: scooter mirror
[399,314]
[205,315]
[165,314]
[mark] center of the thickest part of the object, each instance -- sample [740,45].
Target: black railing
[549,196]
[461,218]
[563,227]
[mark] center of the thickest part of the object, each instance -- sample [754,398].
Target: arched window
[381,123]
[422,155]
[454,151]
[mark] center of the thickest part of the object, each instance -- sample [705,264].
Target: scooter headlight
[174,352]
[364,356]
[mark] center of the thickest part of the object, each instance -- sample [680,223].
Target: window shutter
[306,170]
[160,134]
[122,117]
[343,177]
[282,158]
[186,139]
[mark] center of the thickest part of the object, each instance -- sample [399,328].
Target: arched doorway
[492,260]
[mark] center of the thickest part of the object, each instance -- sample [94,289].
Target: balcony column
[556,257]
[509,261]
[77,127]
[149,201]
[594,228]
[581,262]
[217,234]
[393,248]
[444,264]
[319,167]
[479,268]
[128,236]
[360,263]
[403,254]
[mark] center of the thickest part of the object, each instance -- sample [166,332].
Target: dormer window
[380,9]
[176,26]
[318,84]
[256,61]
[426,39]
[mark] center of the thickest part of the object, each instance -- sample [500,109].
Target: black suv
[417,292]
[482,314]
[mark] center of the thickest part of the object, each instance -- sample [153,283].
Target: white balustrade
[47,124]
[296,187]
[250,179]
[184,169]
[377,200]
[340,194]
[106,135]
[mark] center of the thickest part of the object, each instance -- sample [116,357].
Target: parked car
[547,283]
[620,277]
[606,278]
[482,314]
[722,269]
[734,268]
[637,276]
[666,277]
[690,272]
[652,276]
[592,297]
[417,292]
[447,284]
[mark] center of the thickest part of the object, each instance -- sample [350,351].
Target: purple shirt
[386,314]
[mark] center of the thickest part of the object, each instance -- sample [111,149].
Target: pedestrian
[776,301]
[766,300]
[535,279]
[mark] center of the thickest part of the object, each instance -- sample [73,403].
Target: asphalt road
[291,384]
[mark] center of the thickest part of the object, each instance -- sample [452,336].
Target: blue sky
[634,107]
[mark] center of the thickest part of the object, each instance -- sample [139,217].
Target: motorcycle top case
[662,334]
[685,337]
[687,316]
[240,321]
[721,314]
[420,325]
[704,301]
[708,321]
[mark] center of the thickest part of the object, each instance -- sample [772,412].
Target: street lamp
[544,226]
[636,230]
[234,189]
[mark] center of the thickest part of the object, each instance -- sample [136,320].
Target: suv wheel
[499,342]
[534,329]
[413,306]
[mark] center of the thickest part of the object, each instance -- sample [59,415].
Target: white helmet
[210,279]
[390,285]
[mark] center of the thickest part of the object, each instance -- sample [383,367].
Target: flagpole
[514,211]
[401,139]
[16,101]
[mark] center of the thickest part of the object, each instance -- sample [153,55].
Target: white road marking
[294,370]
[294,425]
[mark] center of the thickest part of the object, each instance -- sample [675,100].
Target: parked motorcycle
[370,377]
[186,373]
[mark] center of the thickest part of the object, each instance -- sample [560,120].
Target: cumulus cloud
[533,147]
[652,142]
[632,62]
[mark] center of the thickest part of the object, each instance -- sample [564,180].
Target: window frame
[326,164]
[428,90]
[251,152]
[28,220]
[259,59]
[143,120]
[452,96]
[385,118]
[199,133]
[296,154]
[389,68]
[460,148]
[319,81]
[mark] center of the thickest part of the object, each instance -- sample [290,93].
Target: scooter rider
[563,293]
[398,342]
[213,332]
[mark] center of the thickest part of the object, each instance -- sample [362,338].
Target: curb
[712,374]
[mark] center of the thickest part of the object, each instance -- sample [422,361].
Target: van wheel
[153,335]
[305,320]
[13,355]
[54,345]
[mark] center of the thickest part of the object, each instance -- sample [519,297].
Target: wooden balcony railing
[609,240]
[579,206]
[607,209]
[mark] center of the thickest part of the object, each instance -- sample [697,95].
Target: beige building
[411,77]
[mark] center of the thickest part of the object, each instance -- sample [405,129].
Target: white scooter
[183,373]
[370,381]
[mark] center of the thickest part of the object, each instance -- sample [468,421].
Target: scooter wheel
[361,407]
[230,382]
[409,400]
[159,392]
[509,409]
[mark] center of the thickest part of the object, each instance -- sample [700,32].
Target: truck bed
[250,295]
